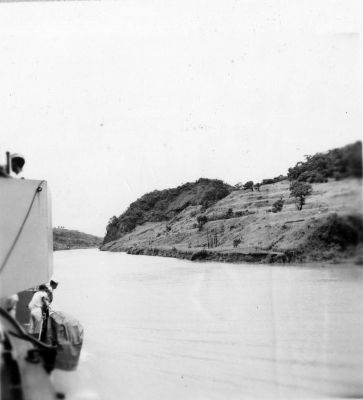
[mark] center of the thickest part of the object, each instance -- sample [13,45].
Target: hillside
[163,205]
[334,208]
[242,225]
[65,239]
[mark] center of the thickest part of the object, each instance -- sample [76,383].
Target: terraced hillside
[241,226]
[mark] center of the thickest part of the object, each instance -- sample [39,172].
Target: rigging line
[37,190]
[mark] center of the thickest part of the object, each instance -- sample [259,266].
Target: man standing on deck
[38,307]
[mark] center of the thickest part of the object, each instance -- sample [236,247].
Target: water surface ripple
[161,328]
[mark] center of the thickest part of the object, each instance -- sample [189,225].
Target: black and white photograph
[181,205]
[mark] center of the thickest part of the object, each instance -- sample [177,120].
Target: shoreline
[235,256]
[75,248]
[211,255]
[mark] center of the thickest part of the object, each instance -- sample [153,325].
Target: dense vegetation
[338,232]
[163,205]
[337,163]
[64,239]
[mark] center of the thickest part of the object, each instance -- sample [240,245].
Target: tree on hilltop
[112,221]
[248,185]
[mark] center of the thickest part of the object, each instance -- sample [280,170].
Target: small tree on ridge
[300,190]
[248,185]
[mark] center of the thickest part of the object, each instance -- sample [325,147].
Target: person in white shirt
[37,306]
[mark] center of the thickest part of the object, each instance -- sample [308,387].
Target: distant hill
[65,239]
[258,224]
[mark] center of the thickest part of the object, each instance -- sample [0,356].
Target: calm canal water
[161,328]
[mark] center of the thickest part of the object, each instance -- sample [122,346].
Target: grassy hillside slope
[163,205]
[65,239]
[328,227]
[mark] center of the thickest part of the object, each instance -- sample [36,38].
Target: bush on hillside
[229,213]
[236,242]
[201,220]
[300,190]
[248,185]
[338,231]
[277,205]
[199,255]
[273,180]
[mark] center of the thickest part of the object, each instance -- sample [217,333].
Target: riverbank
[352,256]
[242,228]
[221,255]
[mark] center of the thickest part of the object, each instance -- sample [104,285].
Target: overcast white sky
[110,100]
